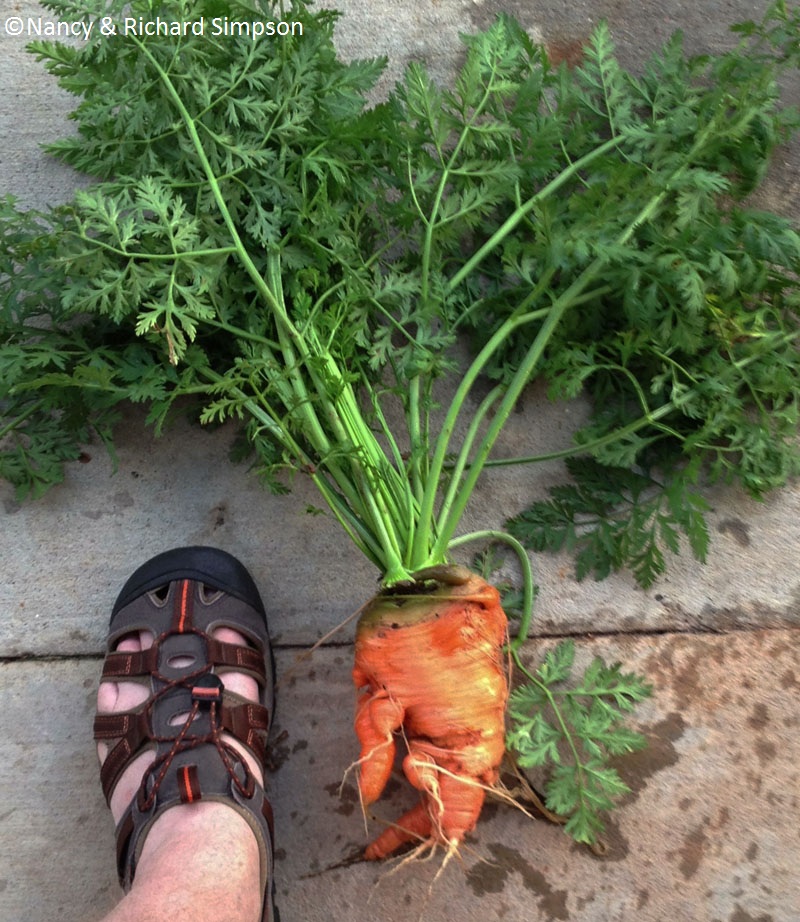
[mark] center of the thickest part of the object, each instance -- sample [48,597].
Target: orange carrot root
[377,718]
[429,664]
[413,826]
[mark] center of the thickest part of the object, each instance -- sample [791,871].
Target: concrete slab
[66,556]
[54,824]
[710,832]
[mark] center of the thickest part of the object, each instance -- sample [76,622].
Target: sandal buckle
[208,689]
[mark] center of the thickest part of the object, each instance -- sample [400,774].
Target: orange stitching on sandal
[185,607]
[188,784]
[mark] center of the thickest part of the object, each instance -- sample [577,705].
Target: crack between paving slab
[704,631]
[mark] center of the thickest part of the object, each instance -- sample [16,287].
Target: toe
[123,696]
[237,682]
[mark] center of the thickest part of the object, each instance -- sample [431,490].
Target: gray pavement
[711,831]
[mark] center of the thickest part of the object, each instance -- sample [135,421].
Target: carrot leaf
[615,517]
[576,731]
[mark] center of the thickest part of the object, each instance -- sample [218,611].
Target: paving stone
[709,832]
[64,558]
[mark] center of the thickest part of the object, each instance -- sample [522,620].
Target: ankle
[210,845]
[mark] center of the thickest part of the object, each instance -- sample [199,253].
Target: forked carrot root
[428,662]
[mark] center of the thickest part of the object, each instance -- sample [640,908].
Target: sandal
[181,597]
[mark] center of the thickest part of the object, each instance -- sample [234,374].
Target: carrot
[428,663]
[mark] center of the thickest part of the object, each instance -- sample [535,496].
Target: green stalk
[377,480]
[373,505]
[408,514]
[288,337]
[191,128]
[521,378]
[155,257]
[383,494]
[241,333]
[527,576]
[466,447]
[415,473]
[523,375]
[32,410]
[342,510]
[431,223]
[524,210]
[422,555]
[588,447]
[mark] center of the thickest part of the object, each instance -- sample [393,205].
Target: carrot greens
[260,240]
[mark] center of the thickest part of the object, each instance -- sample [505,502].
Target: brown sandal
[182,597]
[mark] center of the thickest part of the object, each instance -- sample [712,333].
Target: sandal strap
[193,775]
[127,841]
[122,665]
[182,654]
[247,721]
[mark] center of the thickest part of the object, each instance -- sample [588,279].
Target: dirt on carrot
[429,668]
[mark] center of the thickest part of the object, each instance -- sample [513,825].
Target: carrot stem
[528,585]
